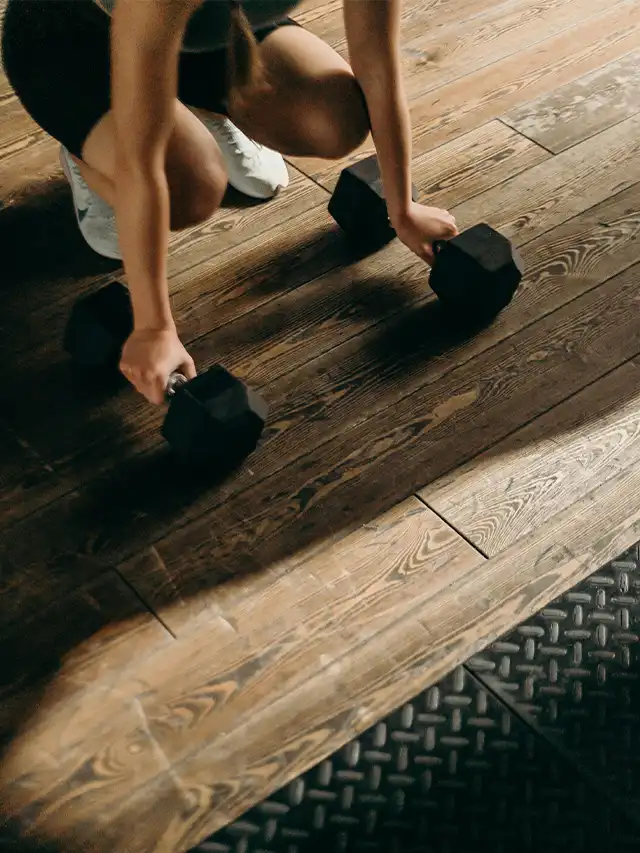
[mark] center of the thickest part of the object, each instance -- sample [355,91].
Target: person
[159,104]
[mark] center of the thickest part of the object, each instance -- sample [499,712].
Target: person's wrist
[151,310]
[157,319]
[401,214]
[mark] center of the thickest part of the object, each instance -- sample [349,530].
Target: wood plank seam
[524,136]
[450,524]
[603,98]
[521,243]
[633,359]
[145,603]
[423,659]
[509,55]
[556,153]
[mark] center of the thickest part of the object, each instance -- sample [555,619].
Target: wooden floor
[171,653]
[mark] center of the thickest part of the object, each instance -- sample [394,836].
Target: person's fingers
[158,385]
[151,385]
[126,371]
[188,368]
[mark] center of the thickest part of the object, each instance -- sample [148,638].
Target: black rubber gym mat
[572,672]
[454,771]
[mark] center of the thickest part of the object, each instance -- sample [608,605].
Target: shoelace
[232,135]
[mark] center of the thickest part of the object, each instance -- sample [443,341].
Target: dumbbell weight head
[476,273]
[214,418]
[358,205]
[98,326]
[211,419]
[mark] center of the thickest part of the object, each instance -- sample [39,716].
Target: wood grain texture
[26,481]
[138,502]
[582,108]
[439,628]
[308,593]
[519,484]
[329,607]
[65,676]
[235,284]
[17,129]
[27,168]
[325,18]
[572,181]
[437,633]
[60,650]
[269,511]
[487,93]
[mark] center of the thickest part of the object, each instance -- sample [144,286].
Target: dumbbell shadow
[416,337]
[40,240]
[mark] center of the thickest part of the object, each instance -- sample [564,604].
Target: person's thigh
[314,106]
[57,58]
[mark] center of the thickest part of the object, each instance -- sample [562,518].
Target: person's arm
[373,38]
[145,42]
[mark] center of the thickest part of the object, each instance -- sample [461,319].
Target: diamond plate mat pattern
[454,771]
[573,673]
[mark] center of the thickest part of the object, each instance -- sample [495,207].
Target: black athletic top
[208,27]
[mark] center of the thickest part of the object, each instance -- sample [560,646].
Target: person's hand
[421,226]
[150,356]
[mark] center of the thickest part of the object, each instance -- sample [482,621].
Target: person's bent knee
[196,172]
[339,125]
[196,195]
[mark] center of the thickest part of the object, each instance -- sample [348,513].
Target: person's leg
[56,56]
[195,169]
[315,107]
[253,169]
[195,174]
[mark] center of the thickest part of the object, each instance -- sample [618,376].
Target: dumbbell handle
[174,382]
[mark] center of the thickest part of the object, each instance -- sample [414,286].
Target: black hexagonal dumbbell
[214,419]
[475,274]
[358,205]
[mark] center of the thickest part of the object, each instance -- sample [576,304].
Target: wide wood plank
[334,601]
[436,52]
[138,502]
[542,469]
[583,107]
[60,650]
[28,169]
[487,93]
[61,690]
[549,194]
[129,731]
[26,482]
[325,18]
[473,163]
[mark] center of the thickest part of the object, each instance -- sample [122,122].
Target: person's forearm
[391,132]
[373,35]
[145,44]
[142,219]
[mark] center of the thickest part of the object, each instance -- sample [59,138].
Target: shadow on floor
[346,470]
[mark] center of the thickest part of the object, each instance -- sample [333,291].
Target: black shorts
[56,57]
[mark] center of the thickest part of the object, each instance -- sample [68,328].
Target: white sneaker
[252,168]
[96,219]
